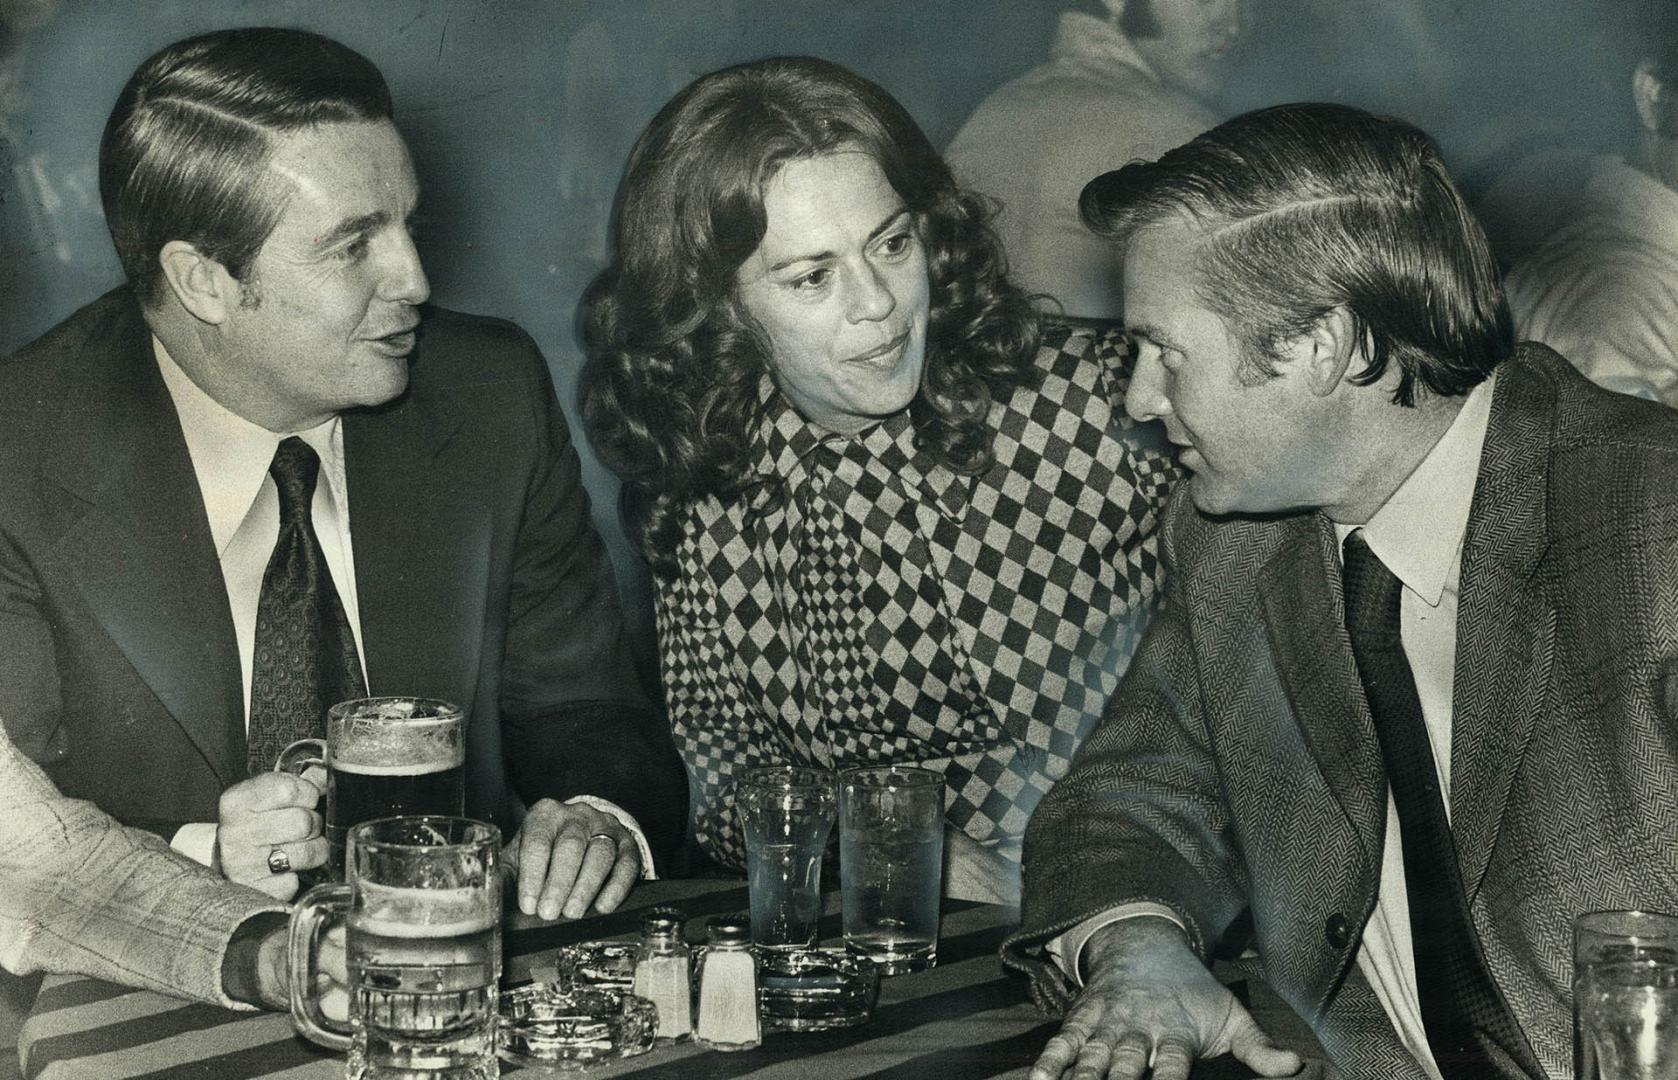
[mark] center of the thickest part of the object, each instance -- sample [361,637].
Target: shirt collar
[230,455]
[1419,530]
[1097,44]
[783,440]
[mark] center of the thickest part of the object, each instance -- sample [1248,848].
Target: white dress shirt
[1418,533]
[230,458]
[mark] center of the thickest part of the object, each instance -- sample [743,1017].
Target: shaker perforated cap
[728,930]
[663,921]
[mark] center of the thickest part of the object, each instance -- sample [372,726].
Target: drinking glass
[422,935]
[384,756]
[891,851]
[786,815]
[1625,996]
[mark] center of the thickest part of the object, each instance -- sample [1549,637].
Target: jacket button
[1338,930]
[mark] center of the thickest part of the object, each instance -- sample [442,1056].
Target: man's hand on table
[1148,995]
[569,855]
[268,813]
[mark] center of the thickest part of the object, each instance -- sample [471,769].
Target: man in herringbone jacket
[1411,764]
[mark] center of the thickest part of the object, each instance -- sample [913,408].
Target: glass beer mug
[384,756]
[422,917]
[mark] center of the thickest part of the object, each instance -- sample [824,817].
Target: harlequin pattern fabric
[993,613]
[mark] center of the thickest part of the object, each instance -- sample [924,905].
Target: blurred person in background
[1602,290]
[1128,81]
[890,518]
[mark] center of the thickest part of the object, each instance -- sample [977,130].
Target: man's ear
[1645,94]
[1323,352]
[201,284]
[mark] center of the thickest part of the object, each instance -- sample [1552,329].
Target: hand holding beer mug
[384,756]
[422,918]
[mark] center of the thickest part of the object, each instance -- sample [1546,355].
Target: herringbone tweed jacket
[1237,766]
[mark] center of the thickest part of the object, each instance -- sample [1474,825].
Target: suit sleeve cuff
[1068,949]
[627,820]
[197,841]
[240,979]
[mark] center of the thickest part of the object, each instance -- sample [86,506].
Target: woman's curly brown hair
[670,386]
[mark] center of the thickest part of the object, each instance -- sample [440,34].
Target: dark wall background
[520,112]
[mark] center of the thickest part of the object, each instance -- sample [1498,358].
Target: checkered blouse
[990,616]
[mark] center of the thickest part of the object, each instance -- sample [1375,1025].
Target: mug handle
[321,907]
[300,755]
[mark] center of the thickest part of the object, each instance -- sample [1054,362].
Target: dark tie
[1459,1000]
[305,658]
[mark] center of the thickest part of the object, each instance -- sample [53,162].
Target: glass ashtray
[549,1027]
[608,965]
[816,989]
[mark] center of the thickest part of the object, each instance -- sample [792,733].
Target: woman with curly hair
[890,518]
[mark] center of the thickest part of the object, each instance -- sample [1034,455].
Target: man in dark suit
[1411,703]
[263,477]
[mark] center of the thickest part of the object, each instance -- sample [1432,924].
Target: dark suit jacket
[479,574]
[1237,767]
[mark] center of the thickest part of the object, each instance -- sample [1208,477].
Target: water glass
[891,852]
[1625,996]
[422,918]
[786,814]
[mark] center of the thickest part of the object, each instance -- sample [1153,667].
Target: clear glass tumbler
[891,854]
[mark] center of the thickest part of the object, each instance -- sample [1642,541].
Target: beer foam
[415,768]
[398,912]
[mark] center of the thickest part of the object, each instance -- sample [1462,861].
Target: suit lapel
[1505,624]
[421,534]
[1305,620]
[138,543]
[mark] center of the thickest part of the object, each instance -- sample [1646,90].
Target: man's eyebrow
[1151,332]
[355,226]
[873,235]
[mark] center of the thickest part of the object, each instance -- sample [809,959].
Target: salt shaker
[662,974]
[728,1006]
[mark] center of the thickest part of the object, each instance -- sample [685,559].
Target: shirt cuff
[197,841]
[1067,950]
[627,820]
[241,980]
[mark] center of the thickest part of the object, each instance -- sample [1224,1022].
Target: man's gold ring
[278,861]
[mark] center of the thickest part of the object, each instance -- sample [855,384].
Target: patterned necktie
[305,658]
[1458,997]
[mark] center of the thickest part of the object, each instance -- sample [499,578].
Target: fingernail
[527,904]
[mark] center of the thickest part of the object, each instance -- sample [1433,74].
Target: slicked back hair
[185,150]
[1306,208]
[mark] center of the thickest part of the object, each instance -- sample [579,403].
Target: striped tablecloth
[964,1018]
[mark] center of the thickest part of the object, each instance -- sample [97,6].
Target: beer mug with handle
[421,913]
[384,756]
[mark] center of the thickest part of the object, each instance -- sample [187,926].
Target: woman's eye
[815,279]
[898,243]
